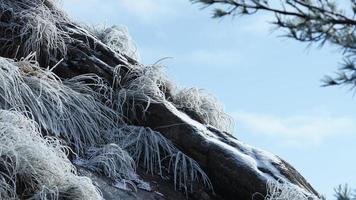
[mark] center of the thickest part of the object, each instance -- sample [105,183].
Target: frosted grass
[37,167]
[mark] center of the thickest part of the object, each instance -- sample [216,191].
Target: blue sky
[269,84]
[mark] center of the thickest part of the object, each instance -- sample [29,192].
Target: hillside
[81,118]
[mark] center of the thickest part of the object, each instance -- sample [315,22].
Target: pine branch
[312,21]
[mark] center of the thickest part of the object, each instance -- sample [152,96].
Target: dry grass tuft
[36,26]
[158,155]
[204,108]
[117,38]
[70,110]
[35,167]
[277,190]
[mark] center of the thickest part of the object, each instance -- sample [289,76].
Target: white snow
[186,119]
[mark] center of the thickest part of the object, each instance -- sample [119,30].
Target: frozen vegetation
[92,123]
[278,190]
[37,167]
[117,38]
[203,107]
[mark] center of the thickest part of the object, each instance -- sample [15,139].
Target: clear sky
[269,84]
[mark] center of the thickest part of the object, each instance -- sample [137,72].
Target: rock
[161,189]
[237,170]
[108,191]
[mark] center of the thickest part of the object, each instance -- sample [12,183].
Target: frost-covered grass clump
[138,88]
[109,160]
[35,25]
[158,155]
[146,146]
[277,190]
[204,108]
[34,167]
[117,38]
[69,110]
